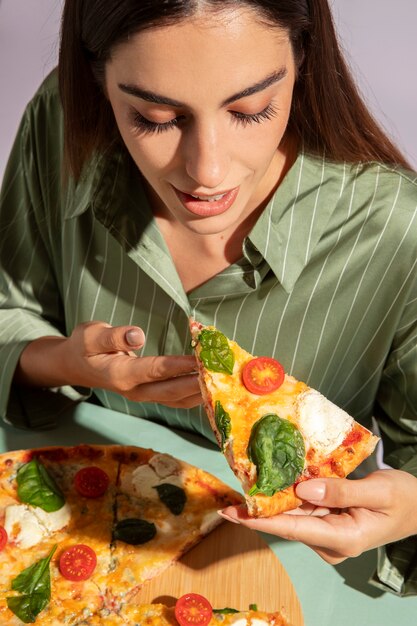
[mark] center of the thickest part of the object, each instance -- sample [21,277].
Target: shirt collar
[293,222]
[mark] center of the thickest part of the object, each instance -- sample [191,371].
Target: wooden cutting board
[232,567]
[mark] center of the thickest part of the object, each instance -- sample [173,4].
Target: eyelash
[268,113]
[146,126]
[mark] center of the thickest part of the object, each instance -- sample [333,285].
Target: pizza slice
[164,506]
[274,430]
[193,608]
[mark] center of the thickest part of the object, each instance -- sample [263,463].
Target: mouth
[207,205]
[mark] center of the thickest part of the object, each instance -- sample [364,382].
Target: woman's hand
[342,518]
[98,355]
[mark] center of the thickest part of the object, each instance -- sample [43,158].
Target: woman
[214,159]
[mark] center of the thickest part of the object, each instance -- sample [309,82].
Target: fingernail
[135,337]
[313,491]
[229,519]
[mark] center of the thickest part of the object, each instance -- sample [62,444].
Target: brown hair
[328,114]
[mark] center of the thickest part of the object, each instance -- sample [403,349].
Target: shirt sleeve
[397,417]
[30,299]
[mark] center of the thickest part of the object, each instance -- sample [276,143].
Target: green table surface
[329,595]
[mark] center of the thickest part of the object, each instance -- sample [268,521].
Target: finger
[161,368]
[330,532]
[330,556]
[169,392]
[185,403]
[311,509]
[101,338]
[344,493]
[135,337]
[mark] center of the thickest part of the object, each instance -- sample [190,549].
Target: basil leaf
[222,420]
[172,496]
[27,607]
[253,607]
[35,486]
[216,353]
[277,449]
[134,531]
[34,583]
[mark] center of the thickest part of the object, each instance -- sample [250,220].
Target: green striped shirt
[327,284]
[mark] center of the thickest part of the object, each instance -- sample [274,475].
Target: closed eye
[143,125]
[267,113]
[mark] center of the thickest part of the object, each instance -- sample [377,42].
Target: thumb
[343,493]
[135,337]
[106,338]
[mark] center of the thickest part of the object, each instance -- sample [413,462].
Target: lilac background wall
[379,36]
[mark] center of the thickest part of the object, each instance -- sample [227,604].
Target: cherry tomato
[91,482]
[3,538]
[194,609]
[263,375]
[77,562]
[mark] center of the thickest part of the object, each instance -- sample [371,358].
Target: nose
[207,156]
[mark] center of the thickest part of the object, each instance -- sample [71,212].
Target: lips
[207,205]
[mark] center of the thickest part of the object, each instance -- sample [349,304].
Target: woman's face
[202,107]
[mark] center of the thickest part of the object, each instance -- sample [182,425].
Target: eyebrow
[150,96]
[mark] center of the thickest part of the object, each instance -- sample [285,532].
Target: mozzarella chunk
[27,525]
[322,424]
[164,465]
[55,520]
[22,526]
[144,479]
